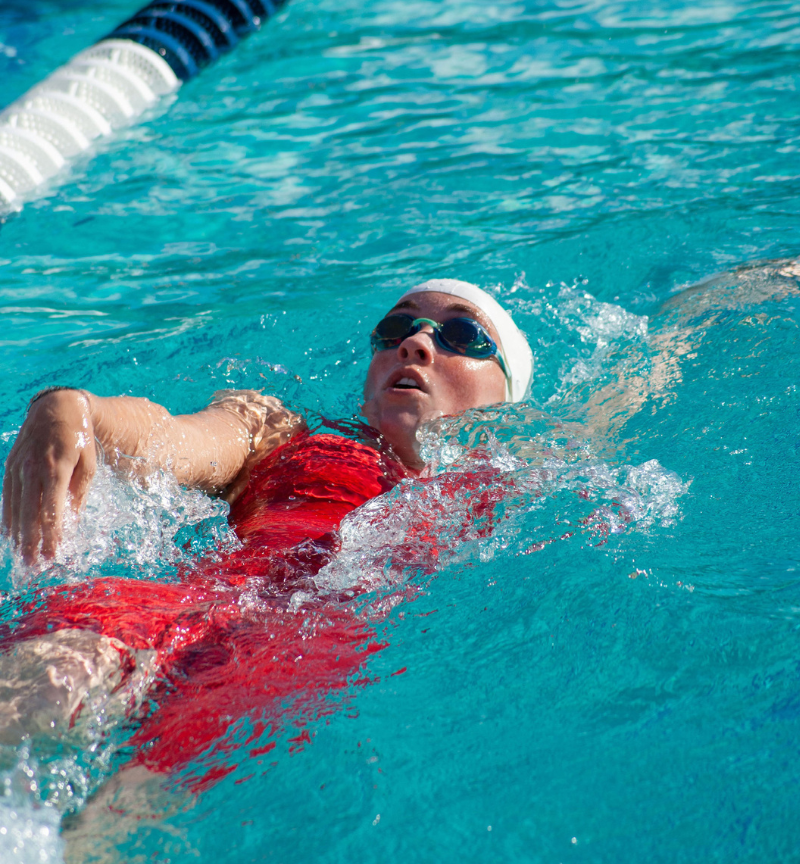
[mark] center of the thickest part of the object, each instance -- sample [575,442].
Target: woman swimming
[219,645]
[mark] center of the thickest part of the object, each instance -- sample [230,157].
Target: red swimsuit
[229,649]
[232,656]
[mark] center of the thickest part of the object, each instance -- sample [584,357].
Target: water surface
[622,693]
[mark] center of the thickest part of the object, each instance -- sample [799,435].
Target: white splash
[134,526]
[542,484]
[29,835]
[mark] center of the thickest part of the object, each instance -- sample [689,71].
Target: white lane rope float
[112,83]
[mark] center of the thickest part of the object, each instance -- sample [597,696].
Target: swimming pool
[630,696]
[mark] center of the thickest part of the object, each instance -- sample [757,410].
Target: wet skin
[444,382]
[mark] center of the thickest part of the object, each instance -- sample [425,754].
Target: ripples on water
[608,674]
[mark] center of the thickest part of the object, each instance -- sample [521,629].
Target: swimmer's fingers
[82,476]
[49,447]
[65,478]
[8,493]
[28,529]
[51,513]
[41,507]
[12,493]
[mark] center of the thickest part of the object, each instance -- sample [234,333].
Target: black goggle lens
[466,336]
[391,331]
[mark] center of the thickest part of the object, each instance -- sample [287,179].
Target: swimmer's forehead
[462,307]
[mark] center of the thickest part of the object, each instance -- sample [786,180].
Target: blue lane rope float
[112,83]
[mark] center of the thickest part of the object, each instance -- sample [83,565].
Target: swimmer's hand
[53,457]
[55,454]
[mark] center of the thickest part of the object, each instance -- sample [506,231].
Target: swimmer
[112,647]
[444,347]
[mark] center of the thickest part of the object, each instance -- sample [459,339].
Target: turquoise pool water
[630,692]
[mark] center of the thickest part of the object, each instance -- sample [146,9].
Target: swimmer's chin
[400,431]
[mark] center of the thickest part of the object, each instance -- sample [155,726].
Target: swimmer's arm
[207,450]
[55,454]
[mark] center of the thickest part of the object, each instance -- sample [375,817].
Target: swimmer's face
[432,381]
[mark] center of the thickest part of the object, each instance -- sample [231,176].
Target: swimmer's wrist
[56,388]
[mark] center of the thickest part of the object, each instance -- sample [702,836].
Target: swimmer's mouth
[399,381]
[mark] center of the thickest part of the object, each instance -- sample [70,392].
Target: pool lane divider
[111,84]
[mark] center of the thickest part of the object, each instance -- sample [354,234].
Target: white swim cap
[513,344]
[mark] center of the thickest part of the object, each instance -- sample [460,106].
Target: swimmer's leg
[71,687]
[73,684]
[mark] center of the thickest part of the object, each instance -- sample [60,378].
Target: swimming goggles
[458,335]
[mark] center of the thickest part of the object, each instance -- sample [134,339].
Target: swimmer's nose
[418,348]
